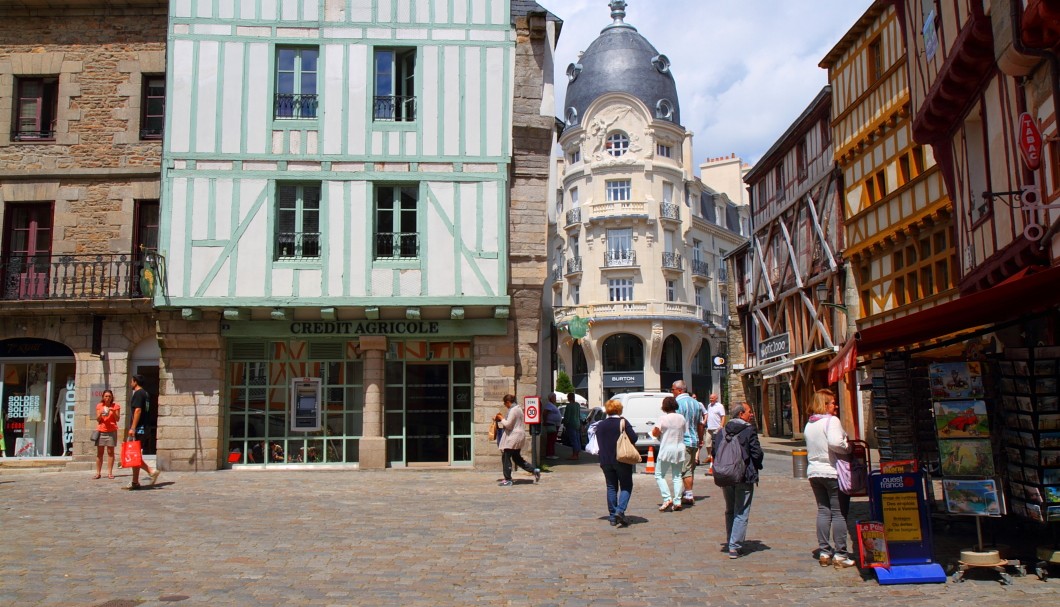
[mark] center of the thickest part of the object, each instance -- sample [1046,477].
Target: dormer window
[617,144]
[664,109]
[571,117]
[661,63]
[572,71]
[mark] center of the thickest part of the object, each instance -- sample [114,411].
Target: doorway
[426,413]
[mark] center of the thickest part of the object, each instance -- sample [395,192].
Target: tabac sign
[1030,141]
[778,345]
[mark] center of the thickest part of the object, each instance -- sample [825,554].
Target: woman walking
[670,430]
[825,439]
[513,440]
[106,435]
[618,476]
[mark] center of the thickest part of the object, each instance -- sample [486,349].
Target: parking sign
[531,410]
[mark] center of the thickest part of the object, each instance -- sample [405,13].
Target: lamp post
[823,295]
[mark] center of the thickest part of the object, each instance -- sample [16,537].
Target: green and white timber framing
[337,153]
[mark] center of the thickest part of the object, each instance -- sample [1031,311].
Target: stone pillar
[372,454]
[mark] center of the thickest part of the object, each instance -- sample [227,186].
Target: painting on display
[976,497]
[956,380]
[961,419]
[966,457]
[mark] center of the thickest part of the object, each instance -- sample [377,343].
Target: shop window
[297,221]
[395,85]
[36,108]
[396,216]
[296,83]
[153,105]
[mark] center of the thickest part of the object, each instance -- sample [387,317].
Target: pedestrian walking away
[513,440]
[572,425]
[670,430]
[138,404]
[715,420]
[617,476]
[691,410]
[105,437]
[739,494]
[825,441]
[552,418]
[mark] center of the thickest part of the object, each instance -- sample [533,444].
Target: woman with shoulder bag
[617,475]
[106,433]
[826,441]
[511,443]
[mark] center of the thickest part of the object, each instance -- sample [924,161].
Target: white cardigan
[824,438]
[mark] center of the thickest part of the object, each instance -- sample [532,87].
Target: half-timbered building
[350,276]
[790,278]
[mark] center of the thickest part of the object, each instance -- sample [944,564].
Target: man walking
[691,410]
[715,420]
[738,495]
[552,418]
[572,425]
[138,404]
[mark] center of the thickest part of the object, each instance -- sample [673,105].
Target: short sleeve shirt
[715,412]
[138,401]
[690,409]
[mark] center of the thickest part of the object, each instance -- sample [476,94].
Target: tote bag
[625,451]
[131,454]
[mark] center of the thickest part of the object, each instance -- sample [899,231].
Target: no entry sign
[531,410]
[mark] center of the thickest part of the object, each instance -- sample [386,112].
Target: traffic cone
[650,468]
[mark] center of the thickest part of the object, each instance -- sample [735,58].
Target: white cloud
[745,69]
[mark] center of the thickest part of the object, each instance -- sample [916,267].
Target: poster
[961,419]
[872,544]
[901,517]
[966,457]
[974,497]
[956,380]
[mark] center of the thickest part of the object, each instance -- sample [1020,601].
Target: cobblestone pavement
[410,538]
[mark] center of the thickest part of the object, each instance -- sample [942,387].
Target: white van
[643,409]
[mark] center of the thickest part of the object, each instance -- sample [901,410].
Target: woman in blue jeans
[618,476]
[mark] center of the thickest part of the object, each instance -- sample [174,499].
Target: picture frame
[961,419]
[956,380]
[966,457]
[974,497]
[1051,494]
[1052,514]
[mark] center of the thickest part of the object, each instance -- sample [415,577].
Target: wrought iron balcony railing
[723,274]
[671,260]
[56,277]
[394,108]
[574,216]
[34,136]
[700,268]
[292,106]
[619,258]
[557,273]
[297,245]
[574,265]
[396,245]
[669,210]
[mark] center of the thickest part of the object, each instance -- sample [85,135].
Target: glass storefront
[38,399]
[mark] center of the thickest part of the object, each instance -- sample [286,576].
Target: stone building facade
[81,101]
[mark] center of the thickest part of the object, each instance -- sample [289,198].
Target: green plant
[563,383]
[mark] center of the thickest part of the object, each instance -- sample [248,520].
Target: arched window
[623,352]
[670,363]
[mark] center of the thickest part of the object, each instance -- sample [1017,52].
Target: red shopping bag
[131,454]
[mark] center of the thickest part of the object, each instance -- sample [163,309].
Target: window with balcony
[153,105]
[36,108]
[396,232]
[297,221]
[26,263]
[667,192]
[145,247]
[617,144]
[296,83]
[620,247]
[395,85]
[620,289]
[619,190]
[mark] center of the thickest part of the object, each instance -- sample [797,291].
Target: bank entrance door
[426,413]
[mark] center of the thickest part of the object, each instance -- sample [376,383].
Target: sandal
[97,477]
[110,476]
[667,505]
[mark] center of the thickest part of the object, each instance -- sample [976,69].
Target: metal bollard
[799,462]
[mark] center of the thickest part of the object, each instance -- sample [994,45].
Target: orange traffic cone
[650,468]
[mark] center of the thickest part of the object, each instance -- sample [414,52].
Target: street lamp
[823,294]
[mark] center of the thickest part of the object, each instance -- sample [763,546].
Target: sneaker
[620,519]
[841,562]
[734,554]
[504,484]
[687,500]
[537,475]
[154,476]
[825,559]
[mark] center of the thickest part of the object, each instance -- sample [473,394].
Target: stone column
[372,455]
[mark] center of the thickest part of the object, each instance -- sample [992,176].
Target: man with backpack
[737,457]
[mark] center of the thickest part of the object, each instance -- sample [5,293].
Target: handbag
[625,451]
[851,474]
[95,436]
[131,454]
[492,434]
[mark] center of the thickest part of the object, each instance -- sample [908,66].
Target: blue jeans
[668,474]
[619,478]
[737,510]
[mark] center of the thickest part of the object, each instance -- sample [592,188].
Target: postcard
[956,380]
[975,497]
[966,457]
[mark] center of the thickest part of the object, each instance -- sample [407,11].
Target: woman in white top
[825,438]
[670,430]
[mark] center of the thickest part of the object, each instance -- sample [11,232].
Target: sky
[745,69]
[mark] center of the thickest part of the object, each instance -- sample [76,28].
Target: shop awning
[845,360]
[1029,293]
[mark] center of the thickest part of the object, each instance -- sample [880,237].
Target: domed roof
[621,60]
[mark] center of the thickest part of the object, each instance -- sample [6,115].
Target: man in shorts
[138,403]
[692,411]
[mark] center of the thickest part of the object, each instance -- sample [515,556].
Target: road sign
[1030,141]
[531,410]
